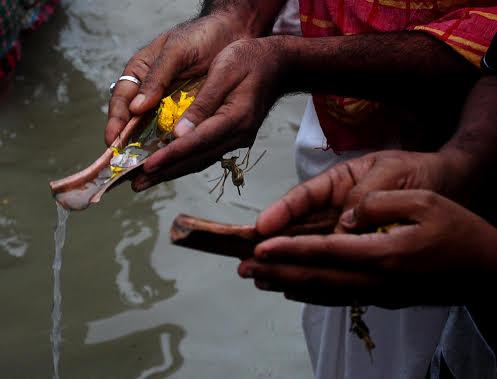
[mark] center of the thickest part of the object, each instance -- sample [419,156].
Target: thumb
[161,75]
[377,179]
[383,208]
[209,99]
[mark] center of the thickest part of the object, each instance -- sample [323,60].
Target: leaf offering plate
[141,137]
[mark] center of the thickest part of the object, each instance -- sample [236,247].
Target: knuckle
[119,100]
[224,63]
[138,67]
[244,46]
[426,199]
[191,56]
[118,119]
[151,83]
[119,108]
[225,110]
[288,204]
[334,177]
[200,108]
[235,48]
[368,202]
[342,172]
[358,197]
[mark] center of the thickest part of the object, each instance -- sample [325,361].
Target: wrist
[310,63]
[482,240]
[232,23]
[457,169]
[281,62]
[247,19]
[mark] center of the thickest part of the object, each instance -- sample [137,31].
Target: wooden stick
[239,241]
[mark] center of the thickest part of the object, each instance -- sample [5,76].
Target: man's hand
[344,185]
[243,83]
[184,52]
[439,245]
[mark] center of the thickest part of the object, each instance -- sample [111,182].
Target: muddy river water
[133,305]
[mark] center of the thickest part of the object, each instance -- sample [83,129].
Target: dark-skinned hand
[439,246]
[243,83]
[344,185]
[182,53]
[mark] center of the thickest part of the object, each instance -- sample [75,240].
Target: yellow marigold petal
[184,103]
[170,112]
[166,115]
[115,171]
[386,229]
[115,151]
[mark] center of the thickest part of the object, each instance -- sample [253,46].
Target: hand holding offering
[142,136]
[243,83]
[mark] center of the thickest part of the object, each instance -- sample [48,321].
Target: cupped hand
[243,83]
[184,52]
[344,185]
[438,246]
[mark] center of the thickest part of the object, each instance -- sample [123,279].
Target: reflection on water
[10,241]
[13,244]
[130,239]
[134,306]
[138,236]
[168,361]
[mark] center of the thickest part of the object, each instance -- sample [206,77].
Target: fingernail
[290,297]
[348,218]
[262,255]
[184,126]
[138,101]
[248,273]
[150,169]
[140,185]
[262,285]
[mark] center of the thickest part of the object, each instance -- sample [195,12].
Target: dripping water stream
[56,334]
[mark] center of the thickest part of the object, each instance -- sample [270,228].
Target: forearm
[254,18]
[476,138]
[396,66]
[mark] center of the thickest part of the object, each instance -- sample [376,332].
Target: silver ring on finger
[128,78]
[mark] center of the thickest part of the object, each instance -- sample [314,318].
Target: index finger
[298,202]
[125,91]
[369,249]
[214,131]
[323,191]
[119,114]
[387,207]
[328,189]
